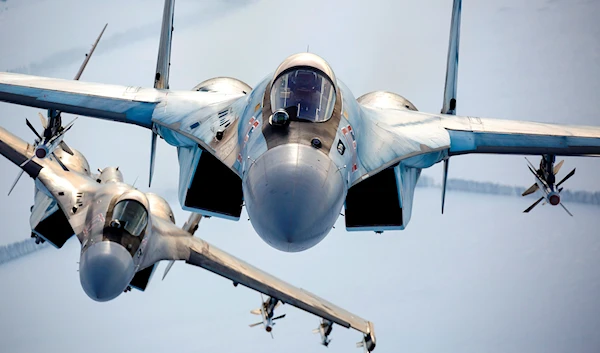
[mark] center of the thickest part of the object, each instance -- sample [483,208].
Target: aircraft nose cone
[105,270]
[293,194]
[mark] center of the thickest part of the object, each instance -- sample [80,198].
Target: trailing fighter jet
[298,146]
[124,233]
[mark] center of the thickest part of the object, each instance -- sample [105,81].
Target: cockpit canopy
[131,216]
[305,94]
[305,87]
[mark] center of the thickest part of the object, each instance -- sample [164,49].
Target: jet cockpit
[303,89]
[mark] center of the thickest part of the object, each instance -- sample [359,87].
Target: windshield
[131,216]
[305,94]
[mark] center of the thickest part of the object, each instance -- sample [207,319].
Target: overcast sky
[481,278]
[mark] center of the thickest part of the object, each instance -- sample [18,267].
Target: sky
[481,278]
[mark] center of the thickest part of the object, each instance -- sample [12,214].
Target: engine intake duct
[214,189]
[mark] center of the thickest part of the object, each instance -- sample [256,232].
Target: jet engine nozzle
[105,270]
[554,198]
[294,194]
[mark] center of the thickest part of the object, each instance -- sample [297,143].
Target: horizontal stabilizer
[256,324]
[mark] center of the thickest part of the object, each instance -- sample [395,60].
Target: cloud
[19,249]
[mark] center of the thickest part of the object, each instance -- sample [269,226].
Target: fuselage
[295,177]
[297,148]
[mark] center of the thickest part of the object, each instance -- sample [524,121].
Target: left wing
[390,136]
[172,243]
[485,135]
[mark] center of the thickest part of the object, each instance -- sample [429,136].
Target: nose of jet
[294,194]
[105,270]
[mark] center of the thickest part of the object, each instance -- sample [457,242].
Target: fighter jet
[545,182]
[298,146]
[124,233]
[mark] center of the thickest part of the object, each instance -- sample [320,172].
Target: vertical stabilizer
[163,64]
[449,105]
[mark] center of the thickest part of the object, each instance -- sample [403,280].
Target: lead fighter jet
[298,146]
[124,233]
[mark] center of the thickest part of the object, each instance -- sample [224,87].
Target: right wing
[173,243]
[69,189]
[487,135]
[128,104]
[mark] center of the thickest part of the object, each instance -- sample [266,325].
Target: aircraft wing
[128,104]
[390,136]
[173,243]
[486,135]
[184,118]
[69,189]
